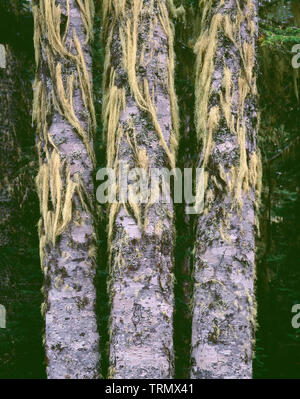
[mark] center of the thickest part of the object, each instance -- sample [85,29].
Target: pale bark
[63,113]
[224,311]
[141,238]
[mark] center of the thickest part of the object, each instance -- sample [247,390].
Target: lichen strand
[140,118]
[224,308]
[64,116]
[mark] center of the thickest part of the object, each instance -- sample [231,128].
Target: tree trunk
[224,313]
[65,120]
[140,119]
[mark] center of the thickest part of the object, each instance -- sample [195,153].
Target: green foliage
[275,36]
[278,344]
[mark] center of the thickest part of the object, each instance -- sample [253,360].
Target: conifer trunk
[224,310]
[140,120]
[65,121]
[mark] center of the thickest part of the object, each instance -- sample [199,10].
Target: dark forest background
[277,351]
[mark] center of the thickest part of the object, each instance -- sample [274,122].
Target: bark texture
[65,120]
[140,120]
[224,310]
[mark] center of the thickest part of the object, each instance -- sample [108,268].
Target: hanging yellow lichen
[54,50]
[121,21]
[246,174]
